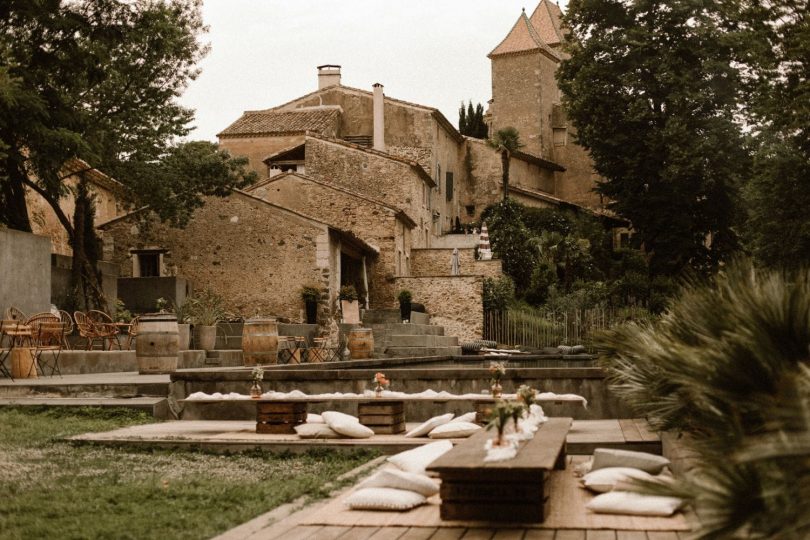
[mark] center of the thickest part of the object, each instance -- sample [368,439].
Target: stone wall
[485,180]
[25,267]
[256,256]
[516,97]
[374,223]
[452,301]
[436,262]
[257,148]
[389,180]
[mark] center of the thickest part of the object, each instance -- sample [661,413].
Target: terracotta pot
[205,337]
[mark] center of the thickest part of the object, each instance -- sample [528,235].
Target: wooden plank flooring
[459,533]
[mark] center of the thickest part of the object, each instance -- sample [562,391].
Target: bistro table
[20,339]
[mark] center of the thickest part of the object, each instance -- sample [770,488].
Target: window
[439,176]
[560,136]
[470,209]
[147,262]
[449,189]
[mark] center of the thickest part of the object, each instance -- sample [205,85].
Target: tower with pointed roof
[525,96]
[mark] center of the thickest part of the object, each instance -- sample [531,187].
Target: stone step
[411,352]
[91,385]
[398,340]
[158,407]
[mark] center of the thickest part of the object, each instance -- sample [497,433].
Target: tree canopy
[653,93]
[471,121]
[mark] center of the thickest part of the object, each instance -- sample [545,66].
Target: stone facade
[379,225]
[253,254]
[452,301]
[256,148]
[437,261]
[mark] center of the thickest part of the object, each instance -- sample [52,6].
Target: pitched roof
[547,20]
[523,38]
[283,122]
[405,218]
[77,165]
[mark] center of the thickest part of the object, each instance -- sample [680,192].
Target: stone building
[357,187]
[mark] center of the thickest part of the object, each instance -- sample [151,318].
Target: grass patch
[54,489]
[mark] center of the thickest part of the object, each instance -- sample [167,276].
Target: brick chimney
[379,118]
[328,75]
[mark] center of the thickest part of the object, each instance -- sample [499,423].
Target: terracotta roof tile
[275,122]
[547,20]
[523,38]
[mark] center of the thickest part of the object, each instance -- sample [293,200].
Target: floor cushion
[469,417]
[375,498]
[427,426]
[314,418]
[454,430]
[397,479]
[610,457]
[604,480]
[417,459]
[316,431]
[634,504]
[347,425]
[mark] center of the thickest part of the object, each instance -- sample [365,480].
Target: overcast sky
[265,52]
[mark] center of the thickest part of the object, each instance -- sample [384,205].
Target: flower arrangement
[527,395]
[258,374]
[256,388]
[500,416]
[381,383]
[161,304]
[497,370]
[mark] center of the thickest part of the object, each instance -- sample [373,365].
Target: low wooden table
[514,490]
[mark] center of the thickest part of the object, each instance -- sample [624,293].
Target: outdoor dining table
[19,337]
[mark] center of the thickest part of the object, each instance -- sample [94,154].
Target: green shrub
[404,296]
[348,293]
[310,293]
[498,293]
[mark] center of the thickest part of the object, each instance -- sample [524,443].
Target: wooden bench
[514,490]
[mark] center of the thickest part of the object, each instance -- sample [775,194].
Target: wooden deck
[441,533]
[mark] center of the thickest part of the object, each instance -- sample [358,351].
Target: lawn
[54,489]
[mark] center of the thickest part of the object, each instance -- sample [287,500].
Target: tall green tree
[471,120]
[506,141]
[98,80]
[653,92]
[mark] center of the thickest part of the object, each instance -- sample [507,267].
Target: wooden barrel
[157,343]
[260,342]
[22,363]
[361,343]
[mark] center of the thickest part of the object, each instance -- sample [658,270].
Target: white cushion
[604,480]
[634,504]
[314,418]
[454,430]
[469,417]
[427,426]
[608,457]
[418,459]
[397,479]
[347,425]
[316,431]
[375,498]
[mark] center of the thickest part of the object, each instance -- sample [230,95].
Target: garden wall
[452,301]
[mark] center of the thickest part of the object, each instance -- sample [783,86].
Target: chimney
[379,117]
[328,75]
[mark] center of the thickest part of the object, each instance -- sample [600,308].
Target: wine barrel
[260,342]
[361,343]
[22,363]
[157,344]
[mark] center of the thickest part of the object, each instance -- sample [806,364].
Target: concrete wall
[25,271]
[256,256]
[453,302]
[587,382]
[140,294]
[60,280]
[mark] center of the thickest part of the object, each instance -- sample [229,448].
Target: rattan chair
[14,314]
[92,331]
[106,328]
[132,331]
[67,320]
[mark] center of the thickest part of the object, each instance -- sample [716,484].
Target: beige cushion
[608,457]
[604,480]
[347,425]
[427,426]
[397,479]
[469,417]
[316,431]
[375,498]
[634,504]
[454,430]
[314,418]
[418,459]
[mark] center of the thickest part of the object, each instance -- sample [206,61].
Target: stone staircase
[395,339]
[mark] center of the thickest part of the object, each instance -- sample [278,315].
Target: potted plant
[205,310]
[310,296]
[181,311]
[348,304]
[405,305]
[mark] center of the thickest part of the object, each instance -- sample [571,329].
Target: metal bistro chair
[47,337]
[5,353]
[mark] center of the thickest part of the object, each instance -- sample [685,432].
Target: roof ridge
[533,35]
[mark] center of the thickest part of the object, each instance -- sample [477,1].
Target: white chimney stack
[328,75]
[379,118]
